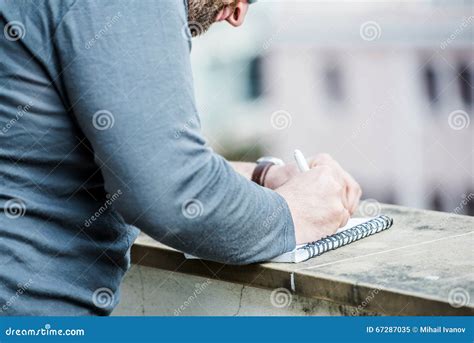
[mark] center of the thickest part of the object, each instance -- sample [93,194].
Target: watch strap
[260,172]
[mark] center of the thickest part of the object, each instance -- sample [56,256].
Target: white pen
[301,161]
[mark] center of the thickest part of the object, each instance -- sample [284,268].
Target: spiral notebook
[355,229]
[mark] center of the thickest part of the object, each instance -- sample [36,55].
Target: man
[100,134]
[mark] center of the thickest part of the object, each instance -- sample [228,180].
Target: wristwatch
[263,166]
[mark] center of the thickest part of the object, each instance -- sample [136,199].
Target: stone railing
[423,265]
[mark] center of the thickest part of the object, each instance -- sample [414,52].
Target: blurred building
[385,87]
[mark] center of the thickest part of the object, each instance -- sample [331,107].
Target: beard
[203,13]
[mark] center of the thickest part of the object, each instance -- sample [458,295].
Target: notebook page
[350,224]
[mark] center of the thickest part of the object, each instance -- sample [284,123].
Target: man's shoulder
[52,9]
[35,17]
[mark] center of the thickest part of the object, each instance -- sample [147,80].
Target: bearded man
[99,136]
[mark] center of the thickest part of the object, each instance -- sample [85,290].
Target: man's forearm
[173,186]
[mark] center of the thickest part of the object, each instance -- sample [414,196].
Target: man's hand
[279,175]
[352,190]
[317,202]
[321,200]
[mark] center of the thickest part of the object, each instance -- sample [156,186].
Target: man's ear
[235,16]
[224,13]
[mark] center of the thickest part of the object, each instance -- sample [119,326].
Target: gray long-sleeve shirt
[99,134]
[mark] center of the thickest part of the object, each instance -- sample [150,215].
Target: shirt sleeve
[127,80]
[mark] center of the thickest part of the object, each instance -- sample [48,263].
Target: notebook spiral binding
[355,233]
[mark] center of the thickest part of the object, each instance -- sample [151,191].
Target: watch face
[271,159]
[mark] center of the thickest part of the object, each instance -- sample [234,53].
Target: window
[431,84]
[465,84]
[437,201]
[255,86]
[470,208]
[468,202]
[334,87]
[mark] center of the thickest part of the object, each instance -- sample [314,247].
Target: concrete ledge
[148,291]
[423,265]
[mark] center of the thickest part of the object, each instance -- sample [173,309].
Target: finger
[340,188]
[352,189]
[351,186]
[344,218]
[353,192]
[354,197]
[344,198]
[320,159]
